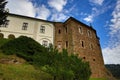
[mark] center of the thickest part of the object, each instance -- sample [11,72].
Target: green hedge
[23,47]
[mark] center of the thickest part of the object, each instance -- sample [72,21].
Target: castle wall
[82,40]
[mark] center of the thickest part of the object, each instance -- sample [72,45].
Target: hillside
[38,63]
[15,68]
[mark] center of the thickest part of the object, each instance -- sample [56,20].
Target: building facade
[17,25]
[73,35]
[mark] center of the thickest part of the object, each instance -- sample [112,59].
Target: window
[5,24]
[80,30]
[42,29]
[89,33]
[93,59]
[82,43]
[45,43]
[66,44]
[59,31]
[66,29]
[84,58]
[25,25]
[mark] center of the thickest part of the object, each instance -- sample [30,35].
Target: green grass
[98,79]
[22,71]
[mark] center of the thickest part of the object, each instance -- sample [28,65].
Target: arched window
[11,36]
[1,35]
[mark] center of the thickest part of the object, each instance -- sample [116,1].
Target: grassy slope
[21,71]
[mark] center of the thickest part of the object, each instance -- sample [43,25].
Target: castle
[73,35]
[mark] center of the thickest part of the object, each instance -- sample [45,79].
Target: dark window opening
[93,59]
[59,31]
[66,44]
[83,57]
[25,25]
[82,44]
[42,29]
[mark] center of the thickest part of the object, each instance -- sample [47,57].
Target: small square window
[25,26]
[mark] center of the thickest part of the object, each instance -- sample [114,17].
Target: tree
[3,12]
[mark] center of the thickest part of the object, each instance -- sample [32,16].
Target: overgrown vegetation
[23,47]
[59,65]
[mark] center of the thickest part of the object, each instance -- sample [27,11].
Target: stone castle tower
[79,38]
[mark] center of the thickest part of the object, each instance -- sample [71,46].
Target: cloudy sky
[104,15]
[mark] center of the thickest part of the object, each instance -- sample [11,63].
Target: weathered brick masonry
[81,39]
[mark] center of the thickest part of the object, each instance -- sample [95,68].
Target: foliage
[3,12]
[23,46]
[3,41]
[62,66]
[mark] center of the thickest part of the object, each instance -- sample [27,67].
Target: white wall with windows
[40,30]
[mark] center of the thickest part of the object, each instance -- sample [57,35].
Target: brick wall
[80,39]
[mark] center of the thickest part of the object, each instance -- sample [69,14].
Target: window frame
[42,29]
[89,34]
[5,25]
[25,26]
[80,30]
[45,43]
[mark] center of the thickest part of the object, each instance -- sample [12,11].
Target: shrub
[23,47]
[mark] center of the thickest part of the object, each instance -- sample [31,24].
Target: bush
[23,47]
[3,41]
